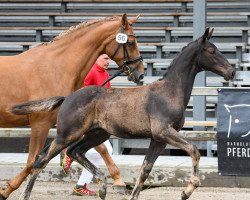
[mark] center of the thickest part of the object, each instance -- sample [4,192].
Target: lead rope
[112,77]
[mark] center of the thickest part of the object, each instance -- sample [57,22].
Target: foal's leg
[43,159]
[154,151]
[176,140]
[39,132]
[119,186]
[78,150]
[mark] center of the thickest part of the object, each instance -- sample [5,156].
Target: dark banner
[233,131]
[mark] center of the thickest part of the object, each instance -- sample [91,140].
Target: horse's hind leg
[119,186]
[176,140]
[154,151]
[78,150]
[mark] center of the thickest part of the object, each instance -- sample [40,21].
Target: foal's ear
[125,22]
[205,35]
[134,19]
[210,34]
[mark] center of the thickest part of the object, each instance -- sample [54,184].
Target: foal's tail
[43,105]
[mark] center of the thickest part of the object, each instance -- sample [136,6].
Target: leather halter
[126,59]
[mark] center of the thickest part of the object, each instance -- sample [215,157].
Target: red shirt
[97,76]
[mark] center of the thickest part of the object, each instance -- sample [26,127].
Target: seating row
[197,137]
[158,19]
[143,34]
[156,67]
[118,6]
[149,50]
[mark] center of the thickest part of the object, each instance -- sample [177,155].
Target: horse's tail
[43,105]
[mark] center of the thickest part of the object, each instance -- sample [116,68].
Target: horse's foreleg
[154,151]
[37,140]
[176,140]
[119,186]
[14,183]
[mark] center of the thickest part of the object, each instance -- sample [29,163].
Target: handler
[97,76]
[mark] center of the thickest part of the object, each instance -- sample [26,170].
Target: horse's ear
[210,34]
[125,22]
[205,35]
[134,19]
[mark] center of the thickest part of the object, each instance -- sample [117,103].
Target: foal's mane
[84,24]
[176,57]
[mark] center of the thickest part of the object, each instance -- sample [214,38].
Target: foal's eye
[211,50]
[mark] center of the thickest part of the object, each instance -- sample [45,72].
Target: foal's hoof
[184,196]
[102,194]
[121,189]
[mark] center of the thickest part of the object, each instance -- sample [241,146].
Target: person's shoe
[66,163]
[82,190]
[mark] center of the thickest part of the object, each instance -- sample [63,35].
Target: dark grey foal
[89,116]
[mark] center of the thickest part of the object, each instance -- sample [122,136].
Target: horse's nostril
[141,76]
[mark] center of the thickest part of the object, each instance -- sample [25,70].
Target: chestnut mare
[58,68]
[89,116]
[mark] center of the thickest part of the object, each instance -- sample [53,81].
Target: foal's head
[211,59]
[123,49]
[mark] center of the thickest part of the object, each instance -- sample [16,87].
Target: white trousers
[94,157]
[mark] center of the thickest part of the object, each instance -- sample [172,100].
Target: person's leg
[86,177]
[93,156]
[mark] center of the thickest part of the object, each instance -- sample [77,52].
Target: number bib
[121,38]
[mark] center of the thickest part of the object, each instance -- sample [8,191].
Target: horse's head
[211,59]
[123,49]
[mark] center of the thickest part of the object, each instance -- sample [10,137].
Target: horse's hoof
[184,196]
[2,197]
[121,190]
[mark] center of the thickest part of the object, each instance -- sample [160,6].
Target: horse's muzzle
[135,77]
[230,75]
[233,74]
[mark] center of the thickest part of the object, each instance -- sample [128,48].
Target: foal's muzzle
[230,75]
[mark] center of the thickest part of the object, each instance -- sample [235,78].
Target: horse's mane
[79,26]
[173,61]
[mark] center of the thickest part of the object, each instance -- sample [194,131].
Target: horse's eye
[211,50]
[131,43]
